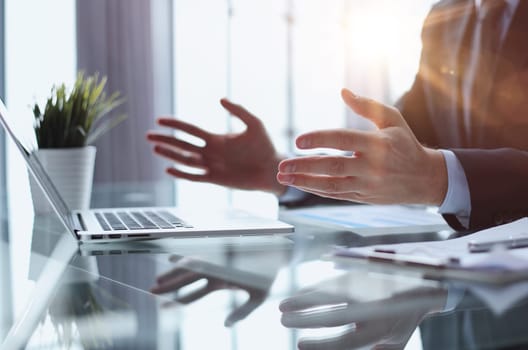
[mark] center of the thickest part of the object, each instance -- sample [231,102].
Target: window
[286,61]
[40,51]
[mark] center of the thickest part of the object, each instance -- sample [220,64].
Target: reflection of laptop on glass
[100,225]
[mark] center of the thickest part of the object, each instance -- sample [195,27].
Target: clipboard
[425,268]
[449,259]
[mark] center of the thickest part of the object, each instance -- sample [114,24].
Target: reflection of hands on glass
[388,165]
[382,324]
[189,271]
[246,160]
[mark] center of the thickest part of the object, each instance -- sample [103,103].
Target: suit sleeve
[413,105]
[498,186]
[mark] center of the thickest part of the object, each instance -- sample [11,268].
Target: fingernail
[286,179]
[288,168]
[349,93]
[304,142]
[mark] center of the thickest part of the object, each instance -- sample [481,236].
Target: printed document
[370,220]
[453,257]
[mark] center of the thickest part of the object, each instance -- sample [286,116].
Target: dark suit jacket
[473,325]
[498,179]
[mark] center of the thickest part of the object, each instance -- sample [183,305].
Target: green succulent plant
[76,118]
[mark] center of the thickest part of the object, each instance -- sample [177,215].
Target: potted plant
[65,129]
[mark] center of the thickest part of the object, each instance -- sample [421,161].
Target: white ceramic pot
[71,170]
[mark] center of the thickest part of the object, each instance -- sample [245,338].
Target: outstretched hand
[388,165]
[246,160]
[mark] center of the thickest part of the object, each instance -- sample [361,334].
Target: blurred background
[285,60]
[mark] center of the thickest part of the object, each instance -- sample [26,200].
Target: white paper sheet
[457,249]
[371,219]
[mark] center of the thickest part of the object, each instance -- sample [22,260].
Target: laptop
[126,224]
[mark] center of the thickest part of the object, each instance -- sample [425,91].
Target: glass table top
[277,292]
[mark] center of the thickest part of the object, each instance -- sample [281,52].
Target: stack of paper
[370,220]
[453,258]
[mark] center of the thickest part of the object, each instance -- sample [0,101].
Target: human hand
[386,323]
[246,160]
[388,165]
[188,271]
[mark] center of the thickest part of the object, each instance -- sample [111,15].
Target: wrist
[278,189]
[436,181]
[273,185]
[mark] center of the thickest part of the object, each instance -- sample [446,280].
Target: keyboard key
[114,222]
[158,220]
[143,220]
[173,219]
[102,222]
[129,221]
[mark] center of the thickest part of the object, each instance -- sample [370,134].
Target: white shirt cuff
[457,200]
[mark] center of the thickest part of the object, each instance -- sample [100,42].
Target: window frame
[3,183]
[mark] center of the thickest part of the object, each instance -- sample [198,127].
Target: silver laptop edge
[42,178]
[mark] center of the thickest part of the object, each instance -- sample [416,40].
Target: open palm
[246,160]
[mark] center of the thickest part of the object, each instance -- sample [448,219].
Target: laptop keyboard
[139,220]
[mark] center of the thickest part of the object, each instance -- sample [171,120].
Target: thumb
[240,313]
[380,114]
[240,112]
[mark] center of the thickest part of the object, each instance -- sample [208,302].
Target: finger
[401,332]
[197,294]
[369,333]
[173,141]
[176,156]
[325,184]
[175,283]
[188,176]
[380,114]
[174,273]
[310,300]
[180,269]
[348,196]
[186,127]
[340,341]
[243,311]
[240,112]
[341,139]
[331,316]
[324,165]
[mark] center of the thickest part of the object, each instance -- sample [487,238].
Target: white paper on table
[457,249]
[371,219]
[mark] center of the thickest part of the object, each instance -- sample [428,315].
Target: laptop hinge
[78,223]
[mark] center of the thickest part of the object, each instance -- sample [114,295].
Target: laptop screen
[15,132]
